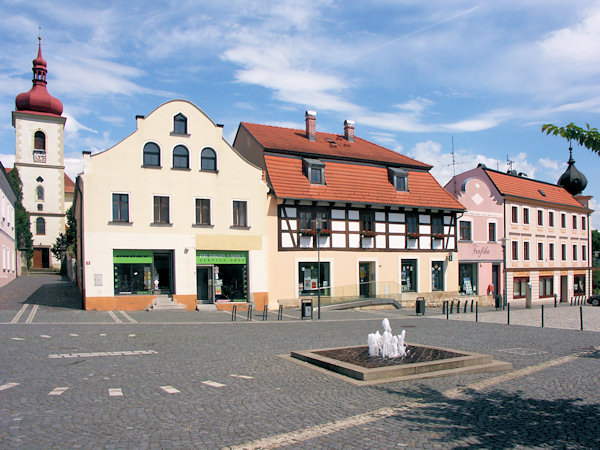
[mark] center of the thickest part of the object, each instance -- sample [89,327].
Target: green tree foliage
[588,137]
[23,236]
[68,240]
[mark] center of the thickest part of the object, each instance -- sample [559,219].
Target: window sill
[202,225]
[209,171]
[239,227]
[120,223]
[184,169]
[175,133]
[160,224]
[145,166]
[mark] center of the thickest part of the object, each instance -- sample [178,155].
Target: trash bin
[497,302]
[306,309]
[420,306]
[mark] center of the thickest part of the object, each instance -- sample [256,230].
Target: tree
[67,240]
[23,236]
[588,137]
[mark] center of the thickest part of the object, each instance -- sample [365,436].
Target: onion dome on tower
[38,100]
[572,180]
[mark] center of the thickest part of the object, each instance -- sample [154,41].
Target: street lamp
[318,226]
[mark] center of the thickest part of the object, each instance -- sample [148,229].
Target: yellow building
[171,215]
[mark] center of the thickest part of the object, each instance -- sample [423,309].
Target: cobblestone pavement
[78,379]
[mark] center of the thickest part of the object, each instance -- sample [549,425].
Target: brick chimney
[349,130]
[311,125]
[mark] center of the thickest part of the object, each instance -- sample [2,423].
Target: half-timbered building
[377,220]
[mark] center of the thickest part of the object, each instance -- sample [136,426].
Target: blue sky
[415,76]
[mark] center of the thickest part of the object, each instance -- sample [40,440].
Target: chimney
[311,125]
[349,130]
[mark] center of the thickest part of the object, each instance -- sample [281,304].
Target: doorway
[163,272]
[204,284]
[366,279]
[496,278]
[41,258]
[564,288]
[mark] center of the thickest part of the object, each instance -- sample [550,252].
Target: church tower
[39,128]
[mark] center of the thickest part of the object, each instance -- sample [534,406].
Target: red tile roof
[531,189]
[349,182]
[331,145]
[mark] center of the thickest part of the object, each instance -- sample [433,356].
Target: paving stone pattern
[213,383]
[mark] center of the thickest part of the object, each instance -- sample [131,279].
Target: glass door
[204,284]
[163,272]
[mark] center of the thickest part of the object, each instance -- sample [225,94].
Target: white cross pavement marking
[213,383]
[128,317]
[8,386]
[17,339]
[93,354]
[58,391]
[245,377]
[32,314]
[115,392]
[114,317]
[19,314]
[169,389]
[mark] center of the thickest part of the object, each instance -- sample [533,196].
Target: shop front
[143,272]
[221,276]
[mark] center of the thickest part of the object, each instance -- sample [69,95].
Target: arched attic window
[181,157]
[208,159]
[151,154]
[180,124]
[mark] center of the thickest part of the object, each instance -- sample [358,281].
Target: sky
[421,78]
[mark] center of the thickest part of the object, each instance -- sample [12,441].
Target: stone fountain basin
[422,361]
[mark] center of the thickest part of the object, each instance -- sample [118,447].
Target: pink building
[7,230]
[523,236]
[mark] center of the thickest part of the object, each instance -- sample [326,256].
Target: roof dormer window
[314,170]
[398,178]
[180,124]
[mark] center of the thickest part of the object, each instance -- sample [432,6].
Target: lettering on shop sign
[481,251]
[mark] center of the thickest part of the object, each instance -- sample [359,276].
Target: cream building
[171,212]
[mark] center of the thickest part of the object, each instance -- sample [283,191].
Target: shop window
[203,211]
[546,287]
[526,216]
[208,160]
[231,282]
[409,275]
[181,157]
[579,284]
[308,274]
[437,276]
[515,250]
[492,232]
[515,214]
[520,287]
[467,278]
[465,230]
[151,155]
[133,278]
[120,207]
[161,209]
[240,213]
[180,124]
[40,226]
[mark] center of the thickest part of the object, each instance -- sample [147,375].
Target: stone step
[165,302]
[206,307]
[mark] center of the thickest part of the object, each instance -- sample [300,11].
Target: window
[563,251]
[367,222]
[180,124]
[120,207]
[574,222]
[540,217]
[492,232]
[208,160]
[314,170]
[240,213]
[161,209]
[546,287]
[398,178]
[550,219]
[181,157]
[520,287]
[563,220]
[312,219]
[40,226]
[409,275]
[437,276]
[39,141]
[316,175]
[467,278]
[583,223]
[465,230]
[551,252]
[579,284]
[412,224]
[39,193]
[515,250]
[151,155]
[437,224]
[309,281]
[574,252]
[526,251]
[515,214]
[540,251]
[202,211]
[526,216]
[584,253]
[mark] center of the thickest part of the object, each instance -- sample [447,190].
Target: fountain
[388,358]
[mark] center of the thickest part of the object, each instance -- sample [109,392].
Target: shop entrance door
[366,278]
[496,278]
[204,284]
[564,288]
[163,272]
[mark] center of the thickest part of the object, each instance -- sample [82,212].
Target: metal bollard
[581,317]
[444,303]
[466,304]
[265,314]
[477,312]
[452,307]
[508,314]
[280,313]
[447,311]
[458,307]
[542,316]
[555,299]
[472,301]
[234,313]
[249,316]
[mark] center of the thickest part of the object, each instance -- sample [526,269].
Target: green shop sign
[204,257]
[132,256]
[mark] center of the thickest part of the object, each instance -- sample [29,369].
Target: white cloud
[8,160]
